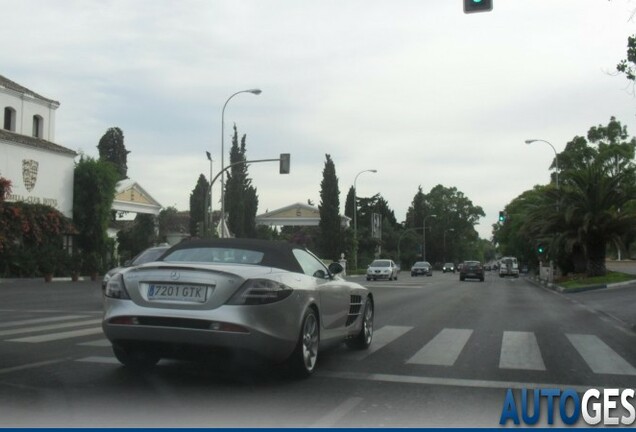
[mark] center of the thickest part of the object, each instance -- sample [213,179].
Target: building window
[9,118]
[38,126]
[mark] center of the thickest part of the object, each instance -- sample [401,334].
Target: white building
[41,172]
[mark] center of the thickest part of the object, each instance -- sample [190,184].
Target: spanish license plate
[174,292]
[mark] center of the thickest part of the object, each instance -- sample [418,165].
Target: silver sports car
[273,299]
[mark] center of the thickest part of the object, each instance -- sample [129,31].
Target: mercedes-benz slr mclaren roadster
[203,296]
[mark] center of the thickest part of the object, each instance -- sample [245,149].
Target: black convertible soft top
[277,254]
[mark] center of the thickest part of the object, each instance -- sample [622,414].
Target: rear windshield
[216,255]
[149,255]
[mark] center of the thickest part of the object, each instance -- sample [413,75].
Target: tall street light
[556,157]
[209,225]
[424,235]
[355,212]
[222,222]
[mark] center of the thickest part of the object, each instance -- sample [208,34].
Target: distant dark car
[147,255]
[422,268]
[472,270]
[448,267]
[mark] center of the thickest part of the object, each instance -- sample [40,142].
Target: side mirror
[335,268]
[127,263]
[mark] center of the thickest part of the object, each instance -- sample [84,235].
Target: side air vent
[355,306]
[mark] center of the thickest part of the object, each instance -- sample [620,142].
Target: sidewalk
[615,301]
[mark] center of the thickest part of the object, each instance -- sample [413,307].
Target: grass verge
[581,281]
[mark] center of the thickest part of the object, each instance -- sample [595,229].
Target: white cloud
[416,89]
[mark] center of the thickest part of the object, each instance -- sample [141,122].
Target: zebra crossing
[518,350]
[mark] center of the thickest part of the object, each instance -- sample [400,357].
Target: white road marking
[600,357]
[97,343]
[49,327]
[31,365]
[40,320]
[334,416]
[58,336]
[448,382]
[99,359]
[520,350]
[381,338]
[443,349]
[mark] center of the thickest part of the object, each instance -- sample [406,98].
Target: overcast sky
[415,89]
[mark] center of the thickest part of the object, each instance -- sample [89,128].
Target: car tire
[135,358]
[482,279]
[395,278]
[302,362]
[461,279]
[363,339]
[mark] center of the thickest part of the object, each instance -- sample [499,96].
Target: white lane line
[381,338]
[99,359]
[40,320]
[97,343]
[520,350]
[58,336]
[334,416]
[32,365]
[600,357]
[49,327]
[443,349]
[448,382]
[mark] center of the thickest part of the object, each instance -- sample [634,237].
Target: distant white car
[383,269]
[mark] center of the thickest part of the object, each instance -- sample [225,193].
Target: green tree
[170,221]
[241,199]
[369,246]
[93,194]
[589,216]
[451,236]
[330,244]
[112,149]
[198,211]
[627,66]
[138,237]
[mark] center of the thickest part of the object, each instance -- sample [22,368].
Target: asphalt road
[444,354]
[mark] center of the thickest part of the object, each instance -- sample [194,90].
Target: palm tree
[588,214]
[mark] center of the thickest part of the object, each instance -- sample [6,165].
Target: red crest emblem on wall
[29,173]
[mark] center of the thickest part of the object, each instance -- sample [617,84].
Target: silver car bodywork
[382,269]
[204,310]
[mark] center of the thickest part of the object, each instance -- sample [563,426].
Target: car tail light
[259,292]
[115,288]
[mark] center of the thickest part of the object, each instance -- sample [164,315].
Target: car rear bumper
[260,329]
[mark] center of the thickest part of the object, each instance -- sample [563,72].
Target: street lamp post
[444,243]
[556,157]
[355,221]
[209,225]
[424,235]
[222,222]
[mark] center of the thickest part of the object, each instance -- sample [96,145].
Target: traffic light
[284,163]
[502,216]
[472,6]
[540,249]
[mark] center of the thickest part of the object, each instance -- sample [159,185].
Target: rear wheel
[363,339]
[135,358]
[302,362]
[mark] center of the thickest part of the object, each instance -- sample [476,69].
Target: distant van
[508,266]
